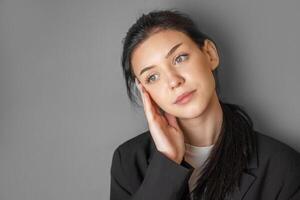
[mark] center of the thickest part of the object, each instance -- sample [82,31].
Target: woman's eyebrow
[172,50]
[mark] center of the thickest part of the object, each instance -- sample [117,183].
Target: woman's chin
[191,111]
[187,113]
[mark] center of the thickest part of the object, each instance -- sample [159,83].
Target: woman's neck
[205,129]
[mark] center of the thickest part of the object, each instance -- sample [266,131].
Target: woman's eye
[181,58]
[151,78]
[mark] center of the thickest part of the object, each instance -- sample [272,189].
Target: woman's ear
[211,51]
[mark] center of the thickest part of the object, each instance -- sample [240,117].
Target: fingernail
[136,83]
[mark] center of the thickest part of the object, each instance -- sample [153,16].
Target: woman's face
[168,64]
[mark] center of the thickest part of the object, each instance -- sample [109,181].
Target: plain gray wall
[63,103]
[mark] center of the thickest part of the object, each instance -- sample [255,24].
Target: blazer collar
[248,176]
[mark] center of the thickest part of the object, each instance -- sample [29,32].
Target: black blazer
[140,172]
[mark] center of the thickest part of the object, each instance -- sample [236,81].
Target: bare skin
[187,68]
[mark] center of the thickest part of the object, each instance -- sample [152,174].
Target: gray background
[63,104]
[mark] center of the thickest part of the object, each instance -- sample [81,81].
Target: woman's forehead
[165,37]
[157,46]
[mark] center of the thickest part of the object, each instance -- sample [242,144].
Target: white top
[196,157]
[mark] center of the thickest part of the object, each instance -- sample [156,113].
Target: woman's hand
[164,129]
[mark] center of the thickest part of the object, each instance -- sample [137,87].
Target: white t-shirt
[196,157]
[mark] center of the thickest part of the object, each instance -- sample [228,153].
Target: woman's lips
[184,98]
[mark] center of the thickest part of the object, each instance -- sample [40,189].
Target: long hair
[229,155]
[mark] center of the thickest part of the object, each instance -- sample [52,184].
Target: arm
[164,180]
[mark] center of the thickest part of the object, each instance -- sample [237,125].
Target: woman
[197,146]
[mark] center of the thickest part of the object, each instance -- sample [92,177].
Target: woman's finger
[172,120]
[137,84]
[148,107]
[153,103]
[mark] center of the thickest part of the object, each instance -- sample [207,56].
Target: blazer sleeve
[164,179]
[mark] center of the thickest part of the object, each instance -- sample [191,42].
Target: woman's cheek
[158,98]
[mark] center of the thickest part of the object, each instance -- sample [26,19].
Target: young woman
[197,146]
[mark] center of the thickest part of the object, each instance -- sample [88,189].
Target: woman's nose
[175,80]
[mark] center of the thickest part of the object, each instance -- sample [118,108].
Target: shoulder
[133,152]
[278,164]
[276,156]
[139,143]
[268,146]
[130,160]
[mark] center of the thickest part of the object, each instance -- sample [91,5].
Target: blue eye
[181,58]
[150,78]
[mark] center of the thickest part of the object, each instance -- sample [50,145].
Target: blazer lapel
[246,182]
[247,178]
